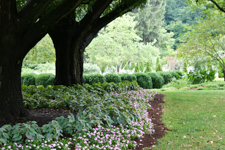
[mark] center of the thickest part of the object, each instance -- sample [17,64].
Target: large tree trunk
[69,46]
[62,38]
[10,89]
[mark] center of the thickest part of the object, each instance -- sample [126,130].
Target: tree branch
[33,9]
[7,12]
[218,6]
[41,27]
[97,9]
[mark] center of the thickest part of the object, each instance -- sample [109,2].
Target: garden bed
[45,115]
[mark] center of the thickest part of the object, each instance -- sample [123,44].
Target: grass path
[196,118]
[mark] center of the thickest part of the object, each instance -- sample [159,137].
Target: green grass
[196,119]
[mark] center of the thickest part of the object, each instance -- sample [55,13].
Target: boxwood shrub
[157,80]
[174,74]
[45,79]
[144,80]
[180,73]
[128,77]
[110,77]
[28,78]
[94,78]
[166,76]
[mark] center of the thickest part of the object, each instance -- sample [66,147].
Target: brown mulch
[45,115]
[147,141]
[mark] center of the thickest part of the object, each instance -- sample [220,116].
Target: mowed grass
[196,118]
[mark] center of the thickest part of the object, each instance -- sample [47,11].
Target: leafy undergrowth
[110,116]
[196,119]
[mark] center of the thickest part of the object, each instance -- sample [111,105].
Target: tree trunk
[10,90]
[62,37]
[69,48]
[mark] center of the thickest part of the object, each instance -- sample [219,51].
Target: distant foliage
[43,52]
[28,79]
[143,80]
[128,77]
[110,77]
[157,80]
[91,68]
[45,79]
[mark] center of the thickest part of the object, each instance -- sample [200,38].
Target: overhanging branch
[218,6]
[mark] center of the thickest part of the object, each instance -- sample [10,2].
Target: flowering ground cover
[104,120]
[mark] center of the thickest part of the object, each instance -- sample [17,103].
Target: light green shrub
[28,78]
[111,77]
[45,79]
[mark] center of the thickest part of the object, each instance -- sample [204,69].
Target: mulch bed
[147,141]
[45,115]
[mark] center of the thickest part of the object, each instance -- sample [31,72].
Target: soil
[45,115]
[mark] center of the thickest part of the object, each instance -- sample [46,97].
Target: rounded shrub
[85,78]
[94,78]
[180,73]
[110,77]
[174,74]
[128,77]
[157,80]
[166,76]
[45,79]
[28,79]
[144,80]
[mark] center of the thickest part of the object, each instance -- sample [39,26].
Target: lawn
[196,120]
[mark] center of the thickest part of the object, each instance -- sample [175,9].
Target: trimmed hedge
[45,79]
[157,80]
[128,77]
[180,73]
[143,80]
[28,78]
[110,77]
[94,78]
[166,76]
[174,74]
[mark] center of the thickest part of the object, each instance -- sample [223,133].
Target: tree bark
[61,36]
[10,89]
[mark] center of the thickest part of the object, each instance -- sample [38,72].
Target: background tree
[178,15]
[150,25]
[43,52]
[185,67]
[158,65]
[148,67]
[118,43]
[137,67]
[204,40]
